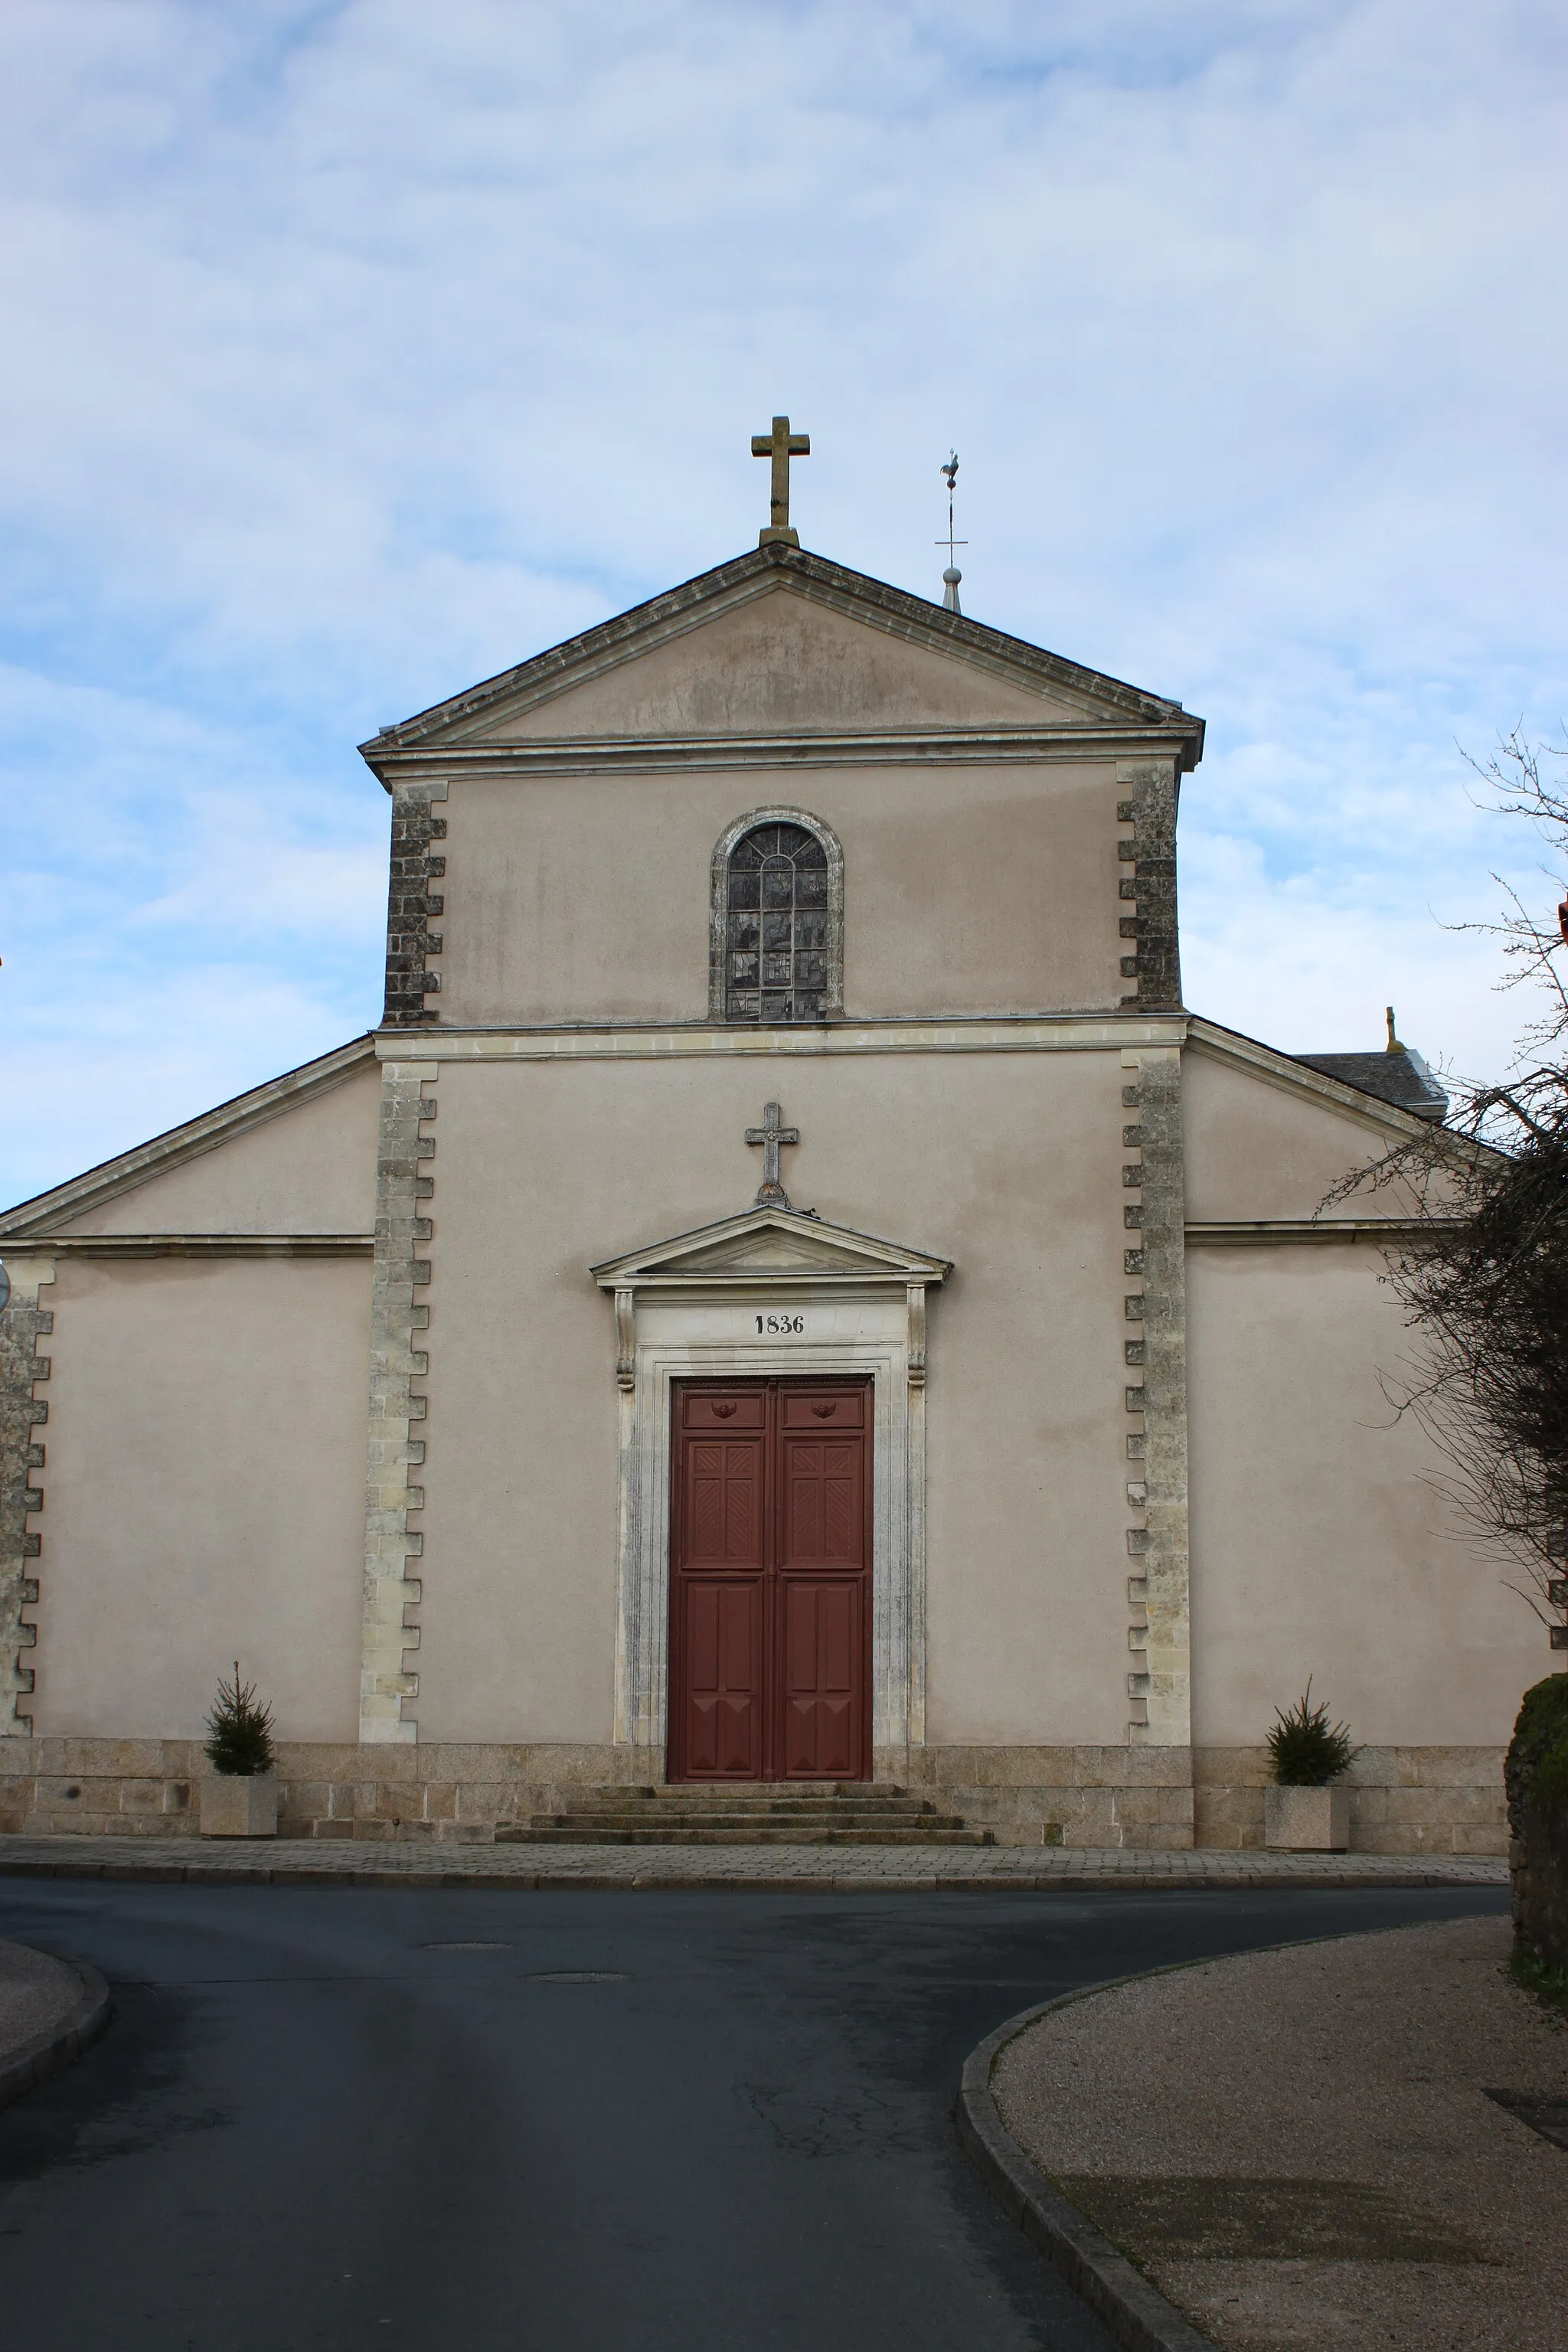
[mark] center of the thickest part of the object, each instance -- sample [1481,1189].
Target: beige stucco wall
[206,1493]
[1257,1149]
[968,890]
[1316,1546]
[781,660]
[1009,1163]
[310,1169]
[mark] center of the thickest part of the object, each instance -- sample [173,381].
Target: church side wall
[1317,1547]
[310,1169]
[1255,1150]
[205,1499]
[583,898]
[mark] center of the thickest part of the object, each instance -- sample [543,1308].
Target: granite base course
[1403,1801]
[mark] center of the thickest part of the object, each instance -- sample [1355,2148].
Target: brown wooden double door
[770,1582]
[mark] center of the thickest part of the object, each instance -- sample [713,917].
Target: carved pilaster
[625,1339]
[917,1341]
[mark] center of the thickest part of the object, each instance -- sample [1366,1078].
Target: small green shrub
[239,1730]
[1540,1751]
[1549,1985]
[1535,1775]
[1306,1750]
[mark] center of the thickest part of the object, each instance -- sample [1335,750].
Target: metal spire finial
[953,575]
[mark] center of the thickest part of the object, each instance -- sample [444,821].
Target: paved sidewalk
[37,1996]
[49,2010]
[1298,2149]
[390,1863]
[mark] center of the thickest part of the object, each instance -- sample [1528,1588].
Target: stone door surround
[771,1293]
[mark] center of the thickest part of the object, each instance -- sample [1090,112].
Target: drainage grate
[578,1975]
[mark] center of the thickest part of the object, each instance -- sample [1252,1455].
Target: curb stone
[388,1863]
[1137,2313]
[47,2052]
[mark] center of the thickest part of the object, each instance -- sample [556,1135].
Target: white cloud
[369,347]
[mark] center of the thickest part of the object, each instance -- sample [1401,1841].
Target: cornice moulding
[196,1246]
[1023,1034]
[1262,1231]
[615,755]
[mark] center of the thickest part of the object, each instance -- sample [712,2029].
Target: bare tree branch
[1482,1270]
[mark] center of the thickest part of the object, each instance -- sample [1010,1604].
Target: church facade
[788,1291]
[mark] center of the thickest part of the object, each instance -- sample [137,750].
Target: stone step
[744,1823]
[760,1792]
[582,1832]
[758,1811]
[747,1812]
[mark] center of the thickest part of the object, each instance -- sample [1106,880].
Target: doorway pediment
[770,1245]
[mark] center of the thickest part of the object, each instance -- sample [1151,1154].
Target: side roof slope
[46,1212]
[1395,1074]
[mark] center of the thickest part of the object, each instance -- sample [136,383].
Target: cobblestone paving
[386,1863]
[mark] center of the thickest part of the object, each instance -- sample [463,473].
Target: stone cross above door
[770,1135]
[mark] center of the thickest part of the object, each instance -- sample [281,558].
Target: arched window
[778,918]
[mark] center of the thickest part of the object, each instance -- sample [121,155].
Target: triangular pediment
[770,1245]
[781,643]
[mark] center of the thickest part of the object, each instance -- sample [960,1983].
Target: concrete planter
[1307,1820]
[236,1804]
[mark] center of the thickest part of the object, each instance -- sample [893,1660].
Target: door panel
[823,1647]
[723,1713]
[725,1494]
[824,1505]
[718,1714]
[825,1412]
[730,1409]
[770,1580]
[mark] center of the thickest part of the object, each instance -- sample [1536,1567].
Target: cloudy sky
[358,348]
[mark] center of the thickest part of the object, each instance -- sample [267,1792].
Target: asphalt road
[328,2119]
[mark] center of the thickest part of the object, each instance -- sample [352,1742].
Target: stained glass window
[776,915]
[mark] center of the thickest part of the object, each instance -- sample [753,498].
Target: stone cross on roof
[770,1135]
[781,445]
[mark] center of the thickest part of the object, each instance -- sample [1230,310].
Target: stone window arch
[777,934]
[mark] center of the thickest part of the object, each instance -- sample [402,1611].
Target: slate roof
[1396,1076]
